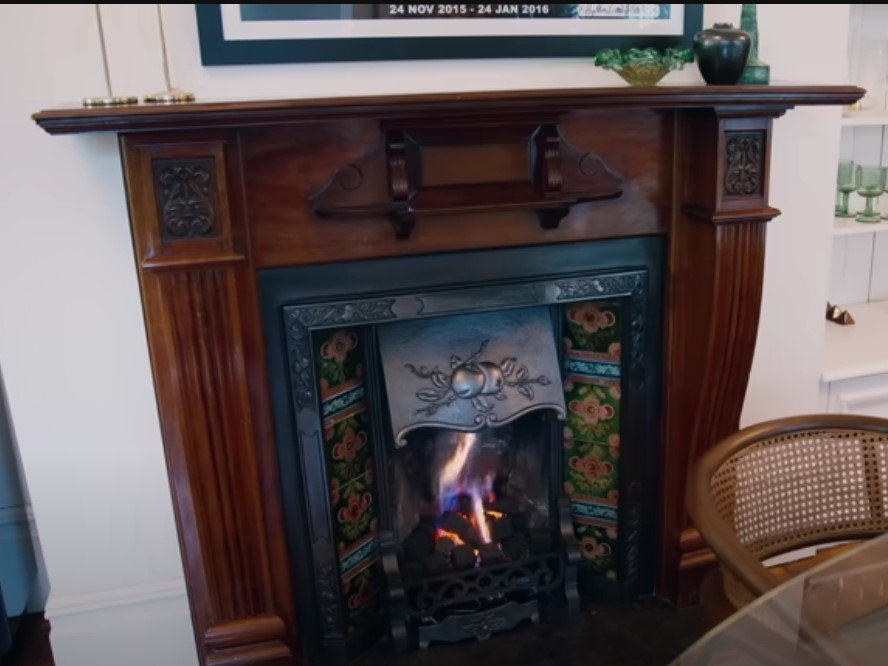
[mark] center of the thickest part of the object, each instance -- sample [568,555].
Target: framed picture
[275,33]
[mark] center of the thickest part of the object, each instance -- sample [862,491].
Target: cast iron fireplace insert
[370,559]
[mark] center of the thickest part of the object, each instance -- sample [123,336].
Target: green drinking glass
[846,183]
[870,185]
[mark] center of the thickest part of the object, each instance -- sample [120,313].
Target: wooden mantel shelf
[217,114]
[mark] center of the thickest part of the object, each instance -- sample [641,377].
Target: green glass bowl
[643,67]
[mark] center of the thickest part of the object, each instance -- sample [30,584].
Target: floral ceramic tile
[353,509]
[338,359]
[364,607]
[591,372]
[348,450]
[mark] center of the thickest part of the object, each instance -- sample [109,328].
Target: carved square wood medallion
[185,191]
[744,163]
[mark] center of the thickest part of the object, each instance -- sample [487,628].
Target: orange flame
[453,536]
[495,515]
[453,468]
[451,479]
[478,515]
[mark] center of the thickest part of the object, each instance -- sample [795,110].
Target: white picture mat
[235,29]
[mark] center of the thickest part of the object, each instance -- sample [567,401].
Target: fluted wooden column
[716,263]
[200,306]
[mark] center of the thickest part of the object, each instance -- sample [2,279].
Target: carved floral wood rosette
[744,157]
[692,164]
[186,193]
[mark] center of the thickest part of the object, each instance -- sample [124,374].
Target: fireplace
[467,441]
[275,237]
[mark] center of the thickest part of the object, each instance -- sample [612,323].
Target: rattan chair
[787,484]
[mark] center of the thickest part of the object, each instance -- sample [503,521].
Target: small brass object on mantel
[109,99]
[838,315]
[169,95]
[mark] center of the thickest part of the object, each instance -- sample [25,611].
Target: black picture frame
[216,50]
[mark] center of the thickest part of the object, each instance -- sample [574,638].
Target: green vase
[755,72]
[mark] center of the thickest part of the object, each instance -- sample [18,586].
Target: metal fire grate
[534,575]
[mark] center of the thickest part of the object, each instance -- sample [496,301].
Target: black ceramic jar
[721,51]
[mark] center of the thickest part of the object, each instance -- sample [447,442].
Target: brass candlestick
[170,95]
[107,99]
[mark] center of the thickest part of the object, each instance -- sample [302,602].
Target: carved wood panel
[743,146]
[744,163]
[285,166]
[444,169]
[186,198]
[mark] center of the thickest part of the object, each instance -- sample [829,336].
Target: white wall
[72,344]
[786,372]
[73,351]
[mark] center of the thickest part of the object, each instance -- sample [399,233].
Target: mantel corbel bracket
[459,169]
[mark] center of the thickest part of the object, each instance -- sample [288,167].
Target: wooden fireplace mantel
[220,190]
[770,100]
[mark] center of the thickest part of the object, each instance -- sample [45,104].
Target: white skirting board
[144,625]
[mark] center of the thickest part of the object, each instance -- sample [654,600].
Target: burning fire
[453,536]
[451,474]
[479,520]
[454,481]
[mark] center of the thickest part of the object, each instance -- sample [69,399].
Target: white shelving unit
[848,226]
[860,349]
[855,358]
[865,118]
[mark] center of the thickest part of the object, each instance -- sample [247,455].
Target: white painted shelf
[860,349]
[848,226]
[861,118]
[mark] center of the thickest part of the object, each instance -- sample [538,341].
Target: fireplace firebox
[467,441]
[281,245]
